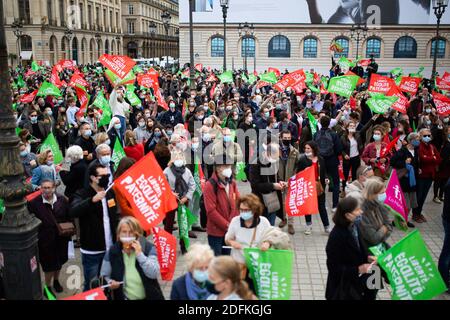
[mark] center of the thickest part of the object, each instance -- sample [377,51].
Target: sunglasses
[429,136]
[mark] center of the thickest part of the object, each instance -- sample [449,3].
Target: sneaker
[198,229]
[57,286]
[291,229]
[423,218]
[437,200]
[327,229]
[282,224]
[308,230]
[342,194]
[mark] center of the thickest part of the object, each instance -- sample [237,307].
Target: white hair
[198,253]
[74,153]
[175,137]
[102,147]
[113,122]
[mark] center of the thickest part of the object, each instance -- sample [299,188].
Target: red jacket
[429,160]
[136,152]
[370,152]
[220,208]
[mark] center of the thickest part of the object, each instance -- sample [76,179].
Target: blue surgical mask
[33,119]
[426,139]
[267,114]
[157,134]
[50,112]
[23,153]
[108,142]
[246,215]
[169,133]
[376,137]
[382,197]
[87,133]
[118,126]
[200,275]
[105,160]
[415,143]
[227,139]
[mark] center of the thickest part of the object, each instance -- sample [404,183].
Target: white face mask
[227,172]
[178,163]
[127,239]
[308,154]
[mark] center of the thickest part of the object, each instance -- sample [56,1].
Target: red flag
[442,104]
[446,77]
[410,84]
[77,79]
[402,103]
[323,90]
[29,73]
[295,79]
[54,78]
[213,89]
[380,84]
[211,78]
[352,103]
[199,67]
[389,147]
[187,73]
[28,98]
[275,70]
[301,197]
[66,64]
[341,169]
[33,195]
[283,84]
[146,80]
[83,97]
[261,84]
[160,98]
[442,85]
[120,65]
[364,62]
[95,294]
[166,247]
[147,190]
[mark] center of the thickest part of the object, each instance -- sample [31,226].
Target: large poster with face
[372,12]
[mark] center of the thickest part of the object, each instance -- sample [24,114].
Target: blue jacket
[179,291]
[43,172]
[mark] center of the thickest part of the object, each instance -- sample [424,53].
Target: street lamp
[246,31]
[69,34]
[166,17]
[224,4]
[98,38]
[17,26]
[191,44]
[358,33]
[19,261]
[439,9]
[152,28]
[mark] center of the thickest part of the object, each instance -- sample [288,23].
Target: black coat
[92,232]
[343,260]
[87,145]
[398,162]
[72,179]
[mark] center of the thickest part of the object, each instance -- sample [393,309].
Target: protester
[133,149]
[28,160]
[444,258]
[73,171]
[373,153]
[86,142]
[356,188]
[46,170]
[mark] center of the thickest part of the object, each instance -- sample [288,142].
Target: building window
[130,8]
[441,44]
[90,16]
[373,48]
[26,43]
[310,48]
[344,43]
[131,27]
[49,11]
[62,12]
[405,47]
[24,11]
[248,47]
[217,46]
[279,47]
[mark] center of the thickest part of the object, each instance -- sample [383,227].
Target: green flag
[2,206]
[345,63]
[103,104]
[252,78]
[269,77]
[324,81]
[51,143]
[379,103]
[244,77]
[132,97]
[396,72]
[313,88]
[312,123]
[197,179]
[115,80]
[118,153]
[309,77]
[411,270]
[185,220]
[48,89]
[49,294]
[34,66]
[378,250]
[271,272]
[343,86]
[20,81]
[418,74]
[137,69]
[240,171]
[226,77]
[18,130]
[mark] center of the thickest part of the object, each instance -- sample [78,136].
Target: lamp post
[439,7]
[166,17]
[17,26]
[246,31]
[19,262]
[152,30]
[224,4]
[191,45]
[358,33]
[98,38]
[69,34]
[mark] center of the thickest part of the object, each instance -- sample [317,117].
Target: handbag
[271,202]
[319,186]
[65,229]
[402,172]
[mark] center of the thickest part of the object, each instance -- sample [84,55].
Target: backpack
[325,143]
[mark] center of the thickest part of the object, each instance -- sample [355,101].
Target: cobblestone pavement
[310,271]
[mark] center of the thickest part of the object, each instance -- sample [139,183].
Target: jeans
[92,264]
[354,163]
[216,244]
[423,186]
[322,211]
[444,258]
[333,173]
[272,217]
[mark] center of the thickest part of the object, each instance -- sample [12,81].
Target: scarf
[411,175]
[181,187]
[285,152]
[194,292]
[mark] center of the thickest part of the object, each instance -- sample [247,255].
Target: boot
[291,229]
[282,224]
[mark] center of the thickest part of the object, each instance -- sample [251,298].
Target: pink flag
[395,198]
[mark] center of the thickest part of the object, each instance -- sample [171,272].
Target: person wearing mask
[172,116]
[102,138]
[182,184]
[120,108]
[439,135]
[220,196]
[330,147]
[28,160]
[246,231]
[444,258]
[130,266]
[262,122]
[93,119]
[444,167]
[115,131]
[37,128]
[286,124]
[192,285]
[246,125]
[51,208]
[289,158]
[232,120]
[376,224]
[373,153]
[348,261]
[429,161]
[154,139]
[196,121]
[227,147]
[355,189]
[133,149]
[103,157]
[142,131]
[72,110]
[312,157]
[73,168]
[352,149]
[97,211]
[225,280]
[62,132]
[402,131]
[86,142]
[406,162]
[46,170]
[26,138]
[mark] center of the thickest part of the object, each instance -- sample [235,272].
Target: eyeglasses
[428,135]
[369,168]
